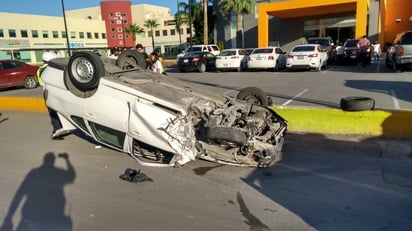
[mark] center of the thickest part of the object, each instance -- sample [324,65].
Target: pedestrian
[377,51]
[156,65]
[140,49]
[114,53]
[363,45]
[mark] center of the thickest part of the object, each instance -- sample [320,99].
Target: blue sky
[54,7]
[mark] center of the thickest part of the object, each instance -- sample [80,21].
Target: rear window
[304,48]
[192,54]
[263,51]
[407,38]
[227,53]
[215,48]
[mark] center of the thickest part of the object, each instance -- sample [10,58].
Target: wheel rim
[31,83]
[82,70]
[130,63]
[252,99]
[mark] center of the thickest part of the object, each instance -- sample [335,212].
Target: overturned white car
[159,120]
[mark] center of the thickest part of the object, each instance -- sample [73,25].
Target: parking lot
[324,182]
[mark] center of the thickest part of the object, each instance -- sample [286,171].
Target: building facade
[26,37]
[290,22]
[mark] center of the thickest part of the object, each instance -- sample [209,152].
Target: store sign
[14,43]
[76,45]
[170,22]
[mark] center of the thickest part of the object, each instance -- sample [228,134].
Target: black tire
[131,59]
[226,135]
[357,103]
[253,95]
[182,70]
[30,82]
[85,69]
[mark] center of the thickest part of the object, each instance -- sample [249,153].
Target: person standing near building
[115,52]
[363,45]
[377,51]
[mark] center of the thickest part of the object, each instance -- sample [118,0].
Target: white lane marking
[296,96]
[395,100]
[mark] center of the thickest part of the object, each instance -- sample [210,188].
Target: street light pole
[65,28]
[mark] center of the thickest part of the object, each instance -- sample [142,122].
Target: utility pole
[65,28]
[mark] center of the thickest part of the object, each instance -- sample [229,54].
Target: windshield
[263,51]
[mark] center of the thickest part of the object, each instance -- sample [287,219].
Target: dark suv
[327,45]
[399,55]
[349,53]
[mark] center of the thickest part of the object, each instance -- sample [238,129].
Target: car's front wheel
[83,73]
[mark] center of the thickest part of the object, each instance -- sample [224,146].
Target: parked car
[232,59]
[349,53]
[267,58]
[159,120]
[212,48]
[327,45]
[196,61]
[249,50]
[399,55]
[15,73]
[308,56]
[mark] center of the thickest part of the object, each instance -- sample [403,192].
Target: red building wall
[117,16]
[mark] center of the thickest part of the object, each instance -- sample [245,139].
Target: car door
[3,76]
[12,74]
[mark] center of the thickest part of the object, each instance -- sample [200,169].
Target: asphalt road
[302,88]
[323,183]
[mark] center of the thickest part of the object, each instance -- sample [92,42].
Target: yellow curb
[23,104]
[388,123]
[379,122]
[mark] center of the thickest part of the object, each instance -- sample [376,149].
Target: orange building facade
[382,19]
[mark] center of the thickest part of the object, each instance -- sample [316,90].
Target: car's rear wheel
[253,95]
[30,82]
[85,69]
[130,59]
[202,68]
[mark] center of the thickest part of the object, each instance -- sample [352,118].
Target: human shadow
[42,197]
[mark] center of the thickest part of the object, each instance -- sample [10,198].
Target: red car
[15,73]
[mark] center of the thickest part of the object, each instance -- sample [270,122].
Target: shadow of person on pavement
[42,195]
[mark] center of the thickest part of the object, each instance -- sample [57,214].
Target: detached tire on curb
[357,103]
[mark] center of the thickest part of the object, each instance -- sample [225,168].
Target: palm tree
[180,18]
[134,29]
[151,24]
[239,8]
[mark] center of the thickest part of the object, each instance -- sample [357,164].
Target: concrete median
[378,122]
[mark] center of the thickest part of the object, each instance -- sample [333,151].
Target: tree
[239,8]
[134,29]
[151,24]
[180,18]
